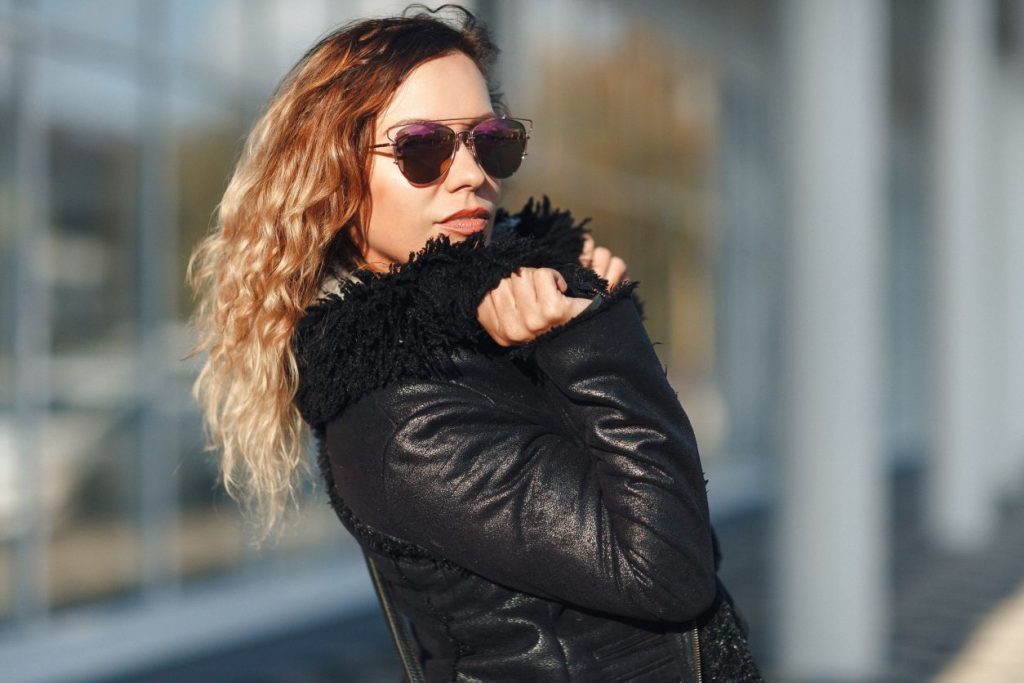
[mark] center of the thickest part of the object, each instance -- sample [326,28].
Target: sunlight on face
[404,216]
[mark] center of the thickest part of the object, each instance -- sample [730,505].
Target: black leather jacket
[538,513]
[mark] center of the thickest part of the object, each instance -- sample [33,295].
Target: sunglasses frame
[462,137]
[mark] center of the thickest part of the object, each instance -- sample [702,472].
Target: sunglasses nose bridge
[465,139]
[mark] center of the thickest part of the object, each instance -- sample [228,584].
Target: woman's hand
[526,304]
[601,261]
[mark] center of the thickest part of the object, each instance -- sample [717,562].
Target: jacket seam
[383,454]
[561,648]
[460,648]
[389,545]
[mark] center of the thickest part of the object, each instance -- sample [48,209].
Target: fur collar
[409,321]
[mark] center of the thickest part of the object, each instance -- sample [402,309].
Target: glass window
[207,134]
[210,532]
[9,260]
[92,272]
[211,35]
[6,581]
[8,238]
[297,24]
[90,438]
[91,476]
[112,21]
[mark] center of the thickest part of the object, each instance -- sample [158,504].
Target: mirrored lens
[499,145]
[424,151]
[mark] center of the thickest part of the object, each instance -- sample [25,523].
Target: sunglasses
[425,150]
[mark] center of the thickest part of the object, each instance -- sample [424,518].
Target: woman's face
[404,216]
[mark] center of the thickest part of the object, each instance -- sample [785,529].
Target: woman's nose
[465,170]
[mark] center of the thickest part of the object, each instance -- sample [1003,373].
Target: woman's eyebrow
[469,119]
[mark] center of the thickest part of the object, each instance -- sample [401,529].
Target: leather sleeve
[615,521]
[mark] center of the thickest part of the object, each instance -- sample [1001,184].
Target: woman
[493,425]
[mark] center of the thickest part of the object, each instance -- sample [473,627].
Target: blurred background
[822,200]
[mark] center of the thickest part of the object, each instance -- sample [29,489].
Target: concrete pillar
[965,396]
[832,498]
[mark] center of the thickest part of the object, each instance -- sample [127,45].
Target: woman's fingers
[514,306]
[602,259]
[603,262]
[587,256]
[616,272]
[527,304]
[560,282]
[549,285]
[522,288]
[505,312]
[528,308]
[497,314]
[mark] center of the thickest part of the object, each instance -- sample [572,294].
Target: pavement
[955,618]
[995,651]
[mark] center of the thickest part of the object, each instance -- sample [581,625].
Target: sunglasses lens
[424,151]
[499,145]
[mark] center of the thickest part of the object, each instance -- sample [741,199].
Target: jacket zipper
[409,663]
[695,639]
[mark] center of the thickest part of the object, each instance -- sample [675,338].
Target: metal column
[32,322]
[157,433]
[965,395]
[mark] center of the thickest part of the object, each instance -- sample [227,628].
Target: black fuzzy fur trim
[407,323]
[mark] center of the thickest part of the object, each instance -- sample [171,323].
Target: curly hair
[297,203]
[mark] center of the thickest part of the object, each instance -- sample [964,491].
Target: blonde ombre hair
[294,208]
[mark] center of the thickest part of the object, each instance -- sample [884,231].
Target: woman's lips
[464,226]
